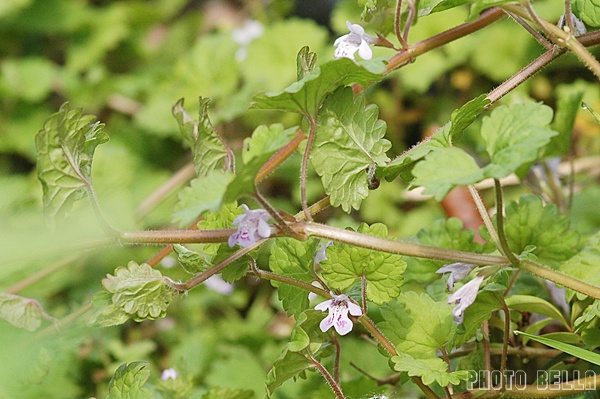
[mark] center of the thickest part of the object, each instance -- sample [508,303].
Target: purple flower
[457,271]
[321,254]
[252,226]
[357,40]
[464,297]
[339,306]
[169,373]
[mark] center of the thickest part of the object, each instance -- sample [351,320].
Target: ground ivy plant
[459,309]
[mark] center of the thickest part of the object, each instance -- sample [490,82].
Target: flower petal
[233,239]
[365,51]
[343,325]
[326,323]
[323,305]
[354,309]
[264,230]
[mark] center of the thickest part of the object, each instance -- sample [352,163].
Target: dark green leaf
[346,264]
[444,169]
[514,137]
[293,258]
[349,138]
[534,304]
[128,381]
[267,140]
[208,149]
[65,148]
[307,95]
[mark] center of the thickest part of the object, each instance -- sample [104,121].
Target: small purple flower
[457,271]
[339,306]
[252,226]
[357,40]
[464,297]
[168,374]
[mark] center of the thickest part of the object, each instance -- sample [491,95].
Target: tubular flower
[339,306]
[252,226]
[457,271]
[464,297]
[357,40]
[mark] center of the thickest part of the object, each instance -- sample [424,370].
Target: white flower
[252,226]
[245,35]
[169,373]
[457,271]
[339,306]
[357,40]
[464,297]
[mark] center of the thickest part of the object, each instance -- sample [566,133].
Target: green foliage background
[128,63]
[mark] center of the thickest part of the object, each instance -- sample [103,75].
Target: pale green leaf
[585,265]
[65,148]
[430,369]
[205,193]
[417,325]
[21,312]
[349,140]
[514,137]
[293,258]
[128,382]
[191,261]
[306,95]
[139,291]
[266,139]
[306,61]
[576,351]
[208,148]
[444,169]
[528,303]
[228,393]
[346,264]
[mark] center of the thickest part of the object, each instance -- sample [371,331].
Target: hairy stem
[335,387]
[504,356]
[504,248]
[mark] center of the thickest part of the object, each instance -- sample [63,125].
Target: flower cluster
[357,40]
[252,226]
[339,306]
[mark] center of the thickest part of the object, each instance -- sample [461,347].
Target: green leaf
[137,291]
[346,264]
[243,183]
[306,61]
[28,78]
[481,310]
[306,95]
[529,222]
[585,265]
[65,148]
[293,258]
[431,369]
[417,325]
[588,11]
[228,393]
[266,140]
[209,150]
[191,261]
[21,312]
[444,169]
[528,303]
[292,363]
[205,193]
[576,351]
[349,138]
[128,381]
[514,137]
[568,103]
[460,119]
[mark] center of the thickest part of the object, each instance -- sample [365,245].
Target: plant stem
[397,247]
[175,236]
[504,356]
[279,157]
[483,213]
[337,390]
[336,360]
[304,168]
[397,25]
[559,278]
[504,248]
[291,281]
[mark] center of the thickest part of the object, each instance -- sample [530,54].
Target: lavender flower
[457,271]
[357,40]
[169,373]
[321,254]
[339,306]
[464,297]
[252,226]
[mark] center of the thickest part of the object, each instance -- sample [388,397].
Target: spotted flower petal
[252,226]
[464,297]
[339,307]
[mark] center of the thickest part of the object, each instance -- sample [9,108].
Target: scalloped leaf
[430,369]
[306,95]
[208,148]
[293,258]
[347,264]
[588,11]
[128,382]
[65,148]
[349,140]
[21,312]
